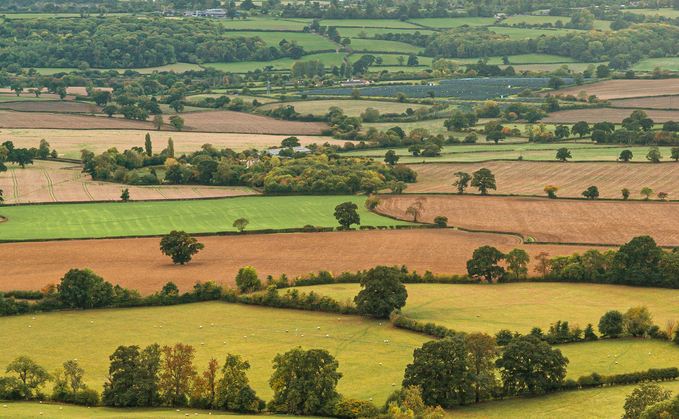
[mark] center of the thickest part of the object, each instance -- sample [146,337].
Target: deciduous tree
[647,191]
[32,375]
[125,195]
[580,128]
[180,246]
[233,390]
[484,264]
[642,397]
[176,373]
[304,382]
[611,324]
[177,122]
[654,155]
[462,181]
[484,180]
[517,261]
[591,193]
[133,377]
[391,158]
[240,224]
[441,369]
[247,280]
[84,289]
[637,321]
[482,350]
[626,155]
[563,154]
[347,214]
[381,292]
[551,191]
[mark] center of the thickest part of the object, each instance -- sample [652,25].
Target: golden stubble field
[69,142]
[548,220]
[616,89]
[530,178]
[138,263]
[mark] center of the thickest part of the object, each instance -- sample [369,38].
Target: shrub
[87,397]
[354,408]
[247,280]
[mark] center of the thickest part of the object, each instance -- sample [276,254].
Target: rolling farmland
[605,115]
[228,121]
[137,263]
[530,178]
[548,220]
[616,89]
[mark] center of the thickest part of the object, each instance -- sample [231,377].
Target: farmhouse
[276,151]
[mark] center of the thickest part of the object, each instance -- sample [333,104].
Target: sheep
[319,327]
[327,336]
[91,322]
[380,363]
[200,327]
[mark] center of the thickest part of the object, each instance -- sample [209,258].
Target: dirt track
[138,263]
[547,220]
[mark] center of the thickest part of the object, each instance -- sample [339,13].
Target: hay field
[137,263]
[227,121]
[522,306]
[49,181]
[661,102]
[99,220]
[69,142]
[92,336]
[530,178]
[605,115]
[350,107]
[548,220]
[616,89]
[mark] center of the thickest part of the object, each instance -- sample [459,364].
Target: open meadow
[349,107]
[605,115]
[669,63]
[521,306]
[547,220]
[530,178]
[99,220]
[91,336]
[138,263]
[69,142]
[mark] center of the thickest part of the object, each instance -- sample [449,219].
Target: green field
[177,68]
[350,107]
[308,41]
[649,64]
[392,60]
[353,32]
[263,24]
[367,23]
[532,59]
[247,99]
[91,336]
[602,25]
[666,12]
[148,218]
[328,58]
[522,33]
[521,306]
[454,22]
[591,403]
[359,45]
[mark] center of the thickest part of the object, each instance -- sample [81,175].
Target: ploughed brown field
[138,263]
[548,220]
[614,115]
[47,106]
[49,181]
[530,178]
[10,119]
[662,102]
[228,121]
[615,89]
[69,142]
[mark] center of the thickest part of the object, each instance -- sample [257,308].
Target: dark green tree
[610,324]
[347,214]
[626,155]
[442,371]
[482,349]
[177,122]
[638,262]
[563,154]
[642,397]
[561,132]
[381,292]
[20,156]
[148,145]
[133,377]
[391,158]
[31,375]
[529,365]
[591,193]
[304,382]
[109,110]
[290,142]
[484,264]
[84,289]
[125,196]
[580,128]
[180,246]
[247,280]
[484,180]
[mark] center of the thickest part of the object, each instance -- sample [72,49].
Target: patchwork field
[605,115]
[660,102]
[530,178]
[11,119]
[522,306]
[227,121]
[47,106]
[548,220]
[69,142]
[137,263]
[48,181]
[350,107]
[91,336]
[151,218]
[616,89]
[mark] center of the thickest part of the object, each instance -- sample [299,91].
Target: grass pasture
[446,23]
[262,24]
[523,33]
[367,23]
[548,220]
[522,306]
[392,60]
[665,12]
[608,115]
[148,218]
[91,336]
[371,32]
[601,25]
[532,59]
[328,58]
[308,41]
[649,64]
[372,45]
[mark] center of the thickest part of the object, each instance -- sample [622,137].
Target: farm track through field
[87,192]
[50,187]
[15,183]
[137,263]
[547,220]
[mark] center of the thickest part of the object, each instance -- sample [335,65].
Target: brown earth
[49,181]
[605,115]
[10,119]
[47,106]
[530,178]
[548,220]
[616,89]
[69,142]
[228,121]
[137,263]
[661,102]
